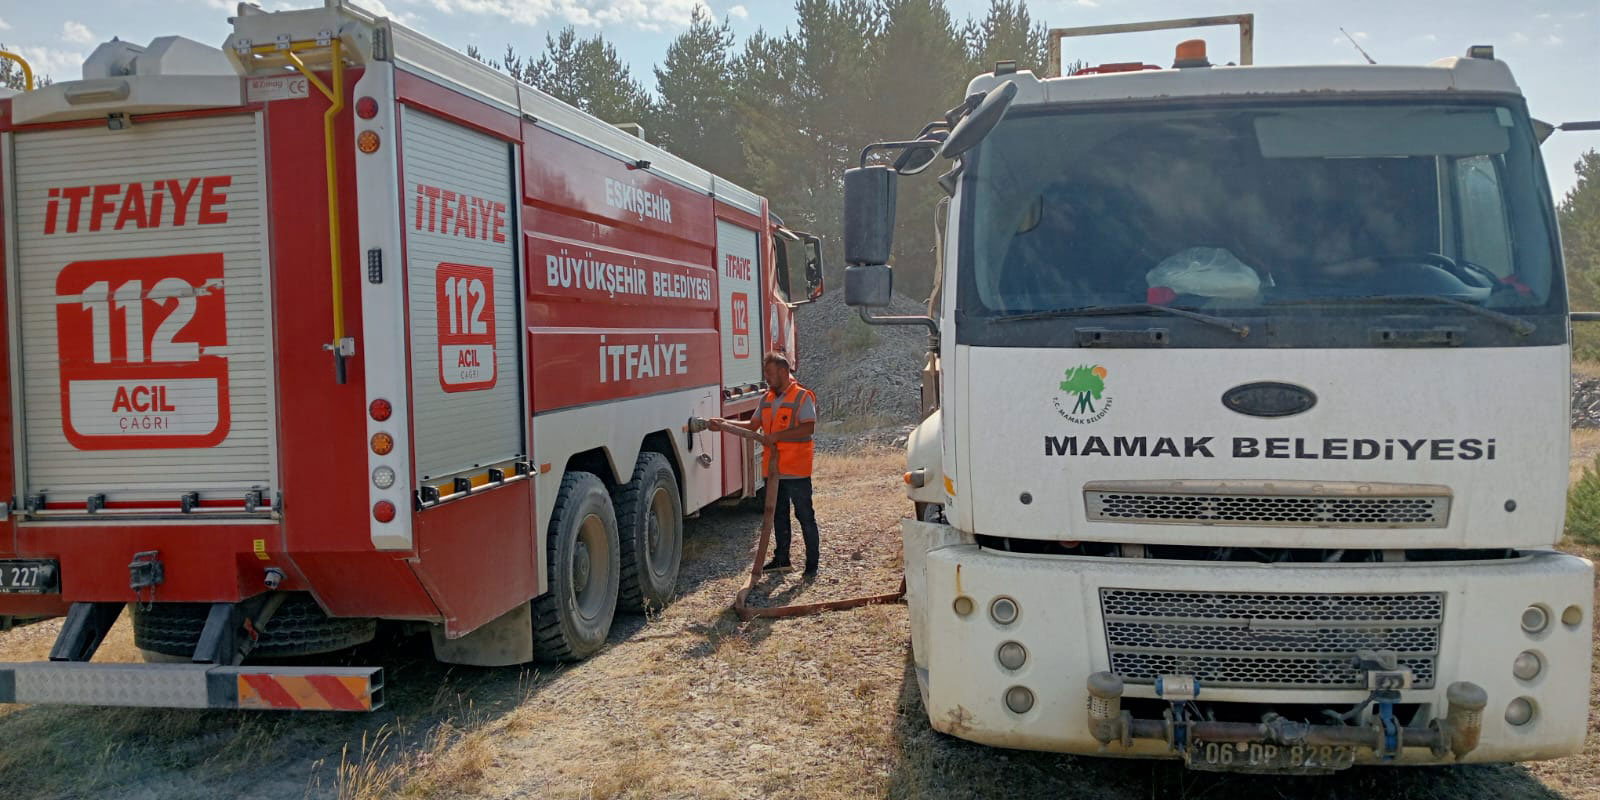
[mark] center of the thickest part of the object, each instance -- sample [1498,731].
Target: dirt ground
[689,704]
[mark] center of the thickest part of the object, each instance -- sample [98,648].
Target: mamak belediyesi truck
[335,325]
[1247,428]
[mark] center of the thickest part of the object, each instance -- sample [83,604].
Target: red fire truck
[336,325]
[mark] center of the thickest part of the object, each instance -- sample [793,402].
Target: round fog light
[1572,616]
[1019,699]
[1519,711]
[1534,619]
[1003,610]
[1012,655]
[1527,665]
[962,605]
[383,477]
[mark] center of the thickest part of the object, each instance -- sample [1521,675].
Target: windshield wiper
[1130,308]
[1520,327]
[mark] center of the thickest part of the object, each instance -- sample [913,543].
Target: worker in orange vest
[786,418]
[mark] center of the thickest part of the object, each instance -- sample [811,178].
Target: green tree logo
[1088,383]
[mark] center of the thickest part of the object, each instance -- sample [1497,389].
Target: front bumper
[1060,627]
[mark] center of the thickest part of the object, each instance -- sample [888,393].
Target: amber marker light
[382,444]
[367,142]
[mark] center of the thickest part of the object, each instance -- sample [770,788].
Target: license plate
[1299,759]
[28,577]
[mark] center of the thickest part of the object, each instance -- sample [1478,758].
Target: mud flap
[503,642]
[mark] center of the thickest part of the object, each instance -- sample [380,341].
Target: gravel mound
[858,370]
[868,378]
[1585,402]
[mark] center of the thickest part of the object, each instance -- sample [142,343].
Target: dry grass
[1587,370]
[692,704]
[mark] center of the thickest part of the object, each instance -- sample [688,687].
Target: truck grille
[1269,641]
[1315,505]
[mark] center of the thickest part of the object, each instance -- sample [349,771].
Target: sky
[1552,46]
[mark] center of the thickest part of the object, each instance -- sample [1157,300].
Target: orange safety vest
[777,415]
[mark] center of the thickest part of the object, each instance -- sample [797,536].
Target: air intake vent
[1271,641]
[1300,505]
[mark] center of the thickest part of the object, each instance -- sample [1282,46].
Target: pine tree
[11,75]
[589,74]
[1006,33]
[1578,213]
[696,118]
[920,71]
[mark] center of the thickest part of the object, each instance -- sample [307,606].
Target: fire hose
[740,607]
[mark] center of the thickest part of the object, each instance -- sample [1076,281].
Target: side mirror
[869,196]
[798,253]
[868,285]
[968,132]
[814,269]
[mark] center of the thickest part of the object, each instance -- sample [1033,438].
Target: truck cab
[1250,444]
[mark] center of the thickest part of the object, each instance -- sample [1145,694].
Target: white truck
[1247,435]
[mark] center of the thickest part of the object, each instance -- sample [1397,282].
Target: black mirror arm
[933,327]
[1585,316]
[867,151]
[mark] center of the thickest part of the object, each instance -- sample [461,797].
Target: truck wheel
[298,628]
[650,526]
[571,620]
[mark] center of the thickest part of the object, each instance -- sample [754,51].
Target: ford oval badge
[1269,399]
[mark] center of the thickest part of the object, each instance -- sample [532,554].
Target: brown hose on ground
[748,613]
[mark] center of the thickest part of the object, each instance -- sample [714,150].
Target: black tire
[650,529]
[298,628]
[572,619]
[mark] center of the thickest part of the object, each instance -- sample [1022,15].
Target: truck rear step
[262,688]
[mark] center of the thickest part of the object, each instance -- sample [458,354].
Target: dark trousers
[798,492]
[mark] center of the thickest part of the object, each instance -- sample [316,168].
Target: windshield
[1289,210]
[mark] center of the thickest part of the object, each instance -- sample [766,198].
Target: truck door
[466,362]
[142,317]
[739,279]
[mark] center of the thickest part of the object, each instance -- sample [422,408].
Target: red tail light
[380,409]
[383,511]
[366,108]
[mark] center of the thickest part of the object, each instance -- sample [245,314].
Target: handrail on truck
[27,71]
[341,347]
[1246,23]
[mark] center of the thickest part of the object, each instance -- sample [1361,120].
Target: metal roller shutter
[461,238]
[739,284]
[143,315]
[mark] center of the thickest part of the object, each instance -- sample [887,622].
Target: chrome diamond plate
[1268,640]
[163,685]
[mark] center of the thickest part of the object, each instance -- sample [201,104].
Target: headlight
[1012,655]
[1534,619]
[1519,711]
[1003,610]
[1527,666]
[1019,699]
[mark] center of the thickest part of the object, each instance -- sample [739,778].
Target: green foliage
[1006,33]
[1585,341]
[696,115]
[1579,216]
[1583,506]
[11,74]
